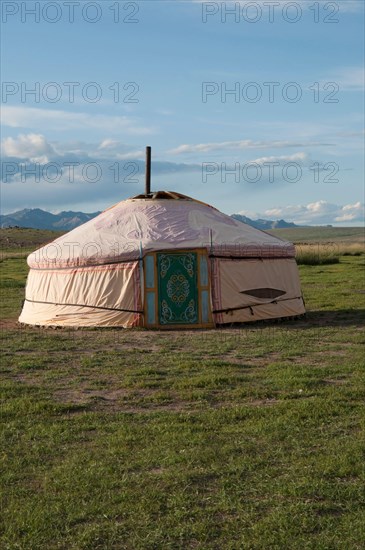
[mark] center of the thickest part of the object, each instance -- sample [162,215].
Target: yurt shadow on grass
[162,260]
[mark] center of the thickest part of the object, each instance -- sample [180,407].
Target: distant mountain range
[35,218]
[263,224]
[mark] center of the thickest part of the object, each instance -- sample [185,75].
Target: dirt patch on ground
[86,397]
[9,324]
[119,400]
[335,381]
[114,401]
[263,402]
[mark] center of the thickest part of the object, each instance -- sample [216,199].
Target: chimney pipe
[148,171]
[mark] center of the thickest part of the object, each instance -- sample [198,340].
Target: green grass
[317,259]
[319,254]
[242,438]
[26,238]
[18,243]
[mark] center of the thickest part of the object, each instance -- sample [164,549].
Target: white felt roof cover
[133,226]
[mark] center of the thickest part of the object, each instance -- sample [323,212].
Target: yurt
[162,260]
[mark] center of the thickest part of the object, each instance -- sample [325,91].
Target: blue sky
[296,155]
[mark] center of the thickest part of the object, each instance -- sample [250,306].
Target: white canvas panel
[234,277]
[58,296]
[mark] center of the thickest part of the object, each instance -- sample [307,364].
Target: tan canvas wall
[234,277]
[57,297]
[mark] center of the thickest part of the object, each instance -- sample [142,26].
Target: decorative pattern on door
[178,288]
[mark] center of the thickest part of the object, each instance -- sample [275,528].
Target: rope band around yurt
[84,305]
[228,309]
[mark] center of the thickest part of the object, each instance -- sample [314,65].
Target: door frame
[149,289]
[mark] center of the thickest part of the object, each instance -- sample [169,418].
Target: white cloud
[349,79]
[352,78]
[114,160]
[315,213]
[36,148]
[351,212]
[27,117]
[300,158]
[30,146]
[109,144]
[241,145]
[132,155]
[113,148]
[165,112]
[352,134]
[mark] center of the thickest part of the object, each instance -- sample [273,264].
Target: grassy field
[26,238]
[242,438]
[315,235]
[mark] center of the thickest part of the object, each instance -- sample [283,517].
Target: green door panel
[178,288]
